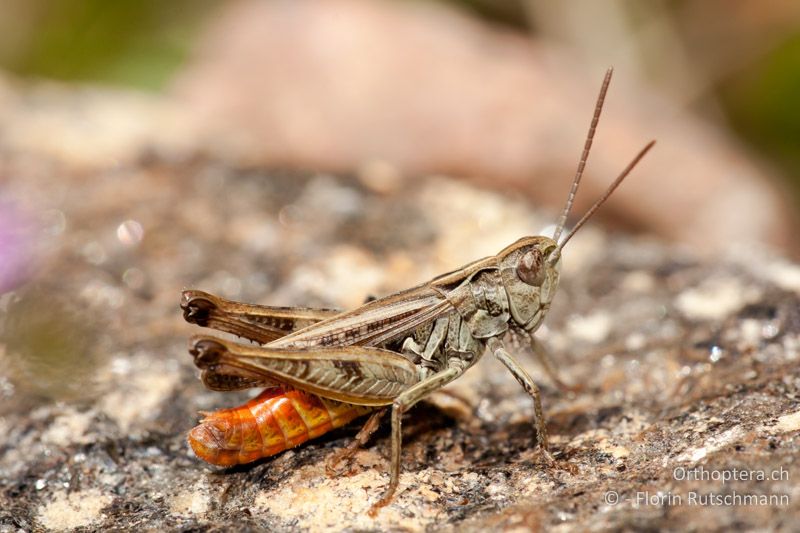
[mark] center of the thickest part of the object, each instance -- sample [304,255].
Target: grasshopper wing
[388,318]
[359,375]
[374,323]
[371,325]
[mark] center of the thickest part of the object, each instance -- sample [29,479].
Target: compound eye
[531,267]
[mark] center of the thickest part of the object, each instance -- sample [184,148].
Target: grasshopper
[387,354]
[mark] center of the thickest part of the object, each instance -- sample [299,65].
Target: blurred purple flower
[16,247]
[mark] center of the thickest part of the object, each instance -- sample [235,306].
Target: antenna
[598,108]
[557,251]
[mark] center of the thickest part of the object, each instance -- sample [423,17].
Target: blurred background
[497,91]
[314,153]
[146,146]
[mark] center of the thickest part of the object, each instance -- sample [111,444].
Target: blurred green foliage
[135,43]
[506,12]
[764,103]
[51,343]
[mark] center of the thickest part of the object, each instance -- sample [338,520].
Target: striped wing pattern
[370,324]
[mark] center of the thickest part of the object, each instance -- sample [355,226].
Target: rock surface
[687,371]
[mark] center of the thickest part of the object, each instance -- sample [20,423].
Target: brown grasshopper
[390,352]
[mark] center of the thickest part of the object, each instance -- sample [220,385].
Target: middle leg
[361,438]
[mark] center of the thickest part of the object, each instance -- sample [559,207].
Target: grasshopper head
[530,277]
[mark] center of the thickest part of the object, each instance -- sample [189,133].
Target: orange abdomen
[273,421]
